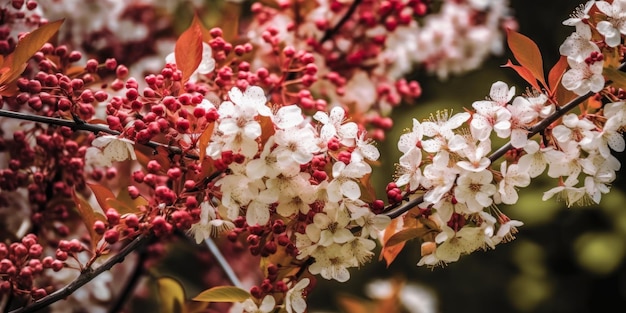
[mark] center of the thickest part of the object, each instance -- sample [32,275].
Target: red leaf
[556,73]
[188,50]
[25,49]
[102,195]
[527,54]
[524,73]
[89,217]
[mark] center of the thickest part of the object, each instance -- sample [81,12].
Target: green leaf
[171,295]
[527,54]
[89,217]
[188,50]
[223,294]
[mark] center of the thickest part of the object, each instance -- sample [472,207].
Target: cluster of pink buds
[21,263]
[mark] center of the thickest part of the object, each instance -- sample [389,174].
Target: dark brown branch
[85,277]
[132,282]
[331,32]
[94,128]
[397,209]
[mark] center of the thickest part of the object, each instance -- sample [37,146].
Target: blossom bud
[19,250]
[38,293]
[35,251]
[283,240]
[269,248]
[17,4]
[112,216]
[111,236]
[75,246]
[57,265]
[47,262]
[253,240]
[216,32]
[183,125]
[31,5]
[26,272]
[191,202]
[256,292]
[60,255]
[232,236]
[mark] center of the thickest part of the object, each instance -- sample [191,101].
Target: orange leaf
[26,48]
[203,141]
[188,50]
[556,73]
[527,54]
[102,195]
[563,95]
[131,205]
[407,234]
[352,304]
[389,253]
[9,89]
[368,194]
[89,217]
[267,128]
[525,73]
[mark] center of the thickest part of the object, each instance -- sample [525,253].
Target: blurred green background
[563,260]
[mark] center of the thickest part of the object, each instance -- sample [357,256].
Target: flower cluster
[461,182]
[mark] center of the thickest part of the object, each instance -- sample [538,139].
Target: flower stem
[131,284]
[228,270]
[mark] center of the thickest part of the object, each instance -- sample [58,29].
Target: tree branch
[331,32]
[94,128]
[85,277]
[131,284]
[397,209]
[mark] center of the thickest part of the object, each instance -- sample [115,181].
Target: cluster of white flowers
[458,178]
[277,174]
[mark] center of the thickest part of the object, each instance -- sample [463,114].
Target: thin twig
[94,128]
[331,32]
[85,277]
[228,270]
[397,209]
[131,284]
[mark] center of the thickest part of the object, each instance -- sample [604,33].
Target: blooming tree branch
[76,126]
[86,276]
[397,209]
